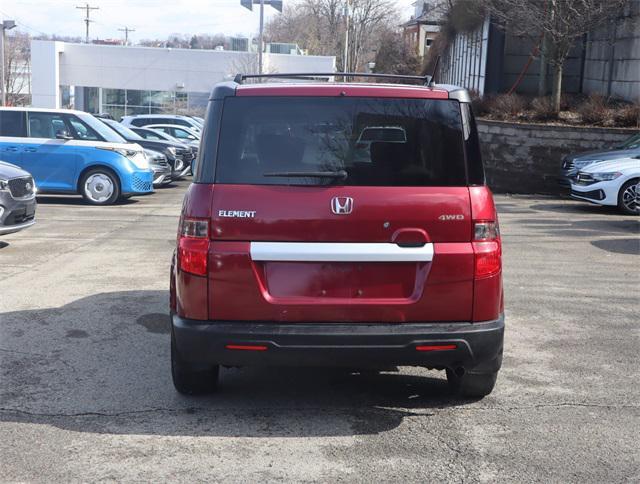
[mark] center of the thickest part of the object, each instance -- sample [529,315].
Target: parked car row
[610,177]
[72,152]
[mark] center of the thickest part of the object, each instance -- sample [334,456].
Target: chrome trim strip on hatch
[338,252]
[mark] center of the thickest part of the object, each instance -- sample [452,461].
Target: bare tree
[17,61]
[320,25]
[369,19]
[395,55]
[248,64]
[560,22]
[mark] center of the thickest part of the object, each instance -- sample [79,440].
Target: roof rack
[311,76]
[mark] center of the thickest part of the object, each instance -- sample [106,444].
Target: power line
[126,31]
[87,20]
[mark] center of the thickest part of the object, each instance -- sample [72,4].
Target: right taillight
[487,249]
[193,246]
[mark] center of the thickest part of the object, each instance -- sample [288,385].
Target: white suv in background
[612,183]
[141,120]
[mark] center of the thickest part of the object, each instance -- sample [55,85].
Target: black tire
[188,381]
[627,206]
[471,385]
[110,183]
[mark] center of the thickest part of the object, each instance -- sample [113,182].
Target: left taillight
[193,246]
[487,249]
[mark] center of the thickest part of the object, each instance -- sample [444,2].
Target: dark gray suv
[17,199]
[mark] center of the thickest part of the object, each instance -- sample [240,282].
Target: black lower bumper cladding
[591,195]
[473,346]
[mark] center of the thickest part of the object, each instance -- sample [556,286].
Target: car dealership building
[125,80]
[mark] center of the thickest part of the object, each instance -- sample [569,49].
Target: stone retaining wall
[526,158]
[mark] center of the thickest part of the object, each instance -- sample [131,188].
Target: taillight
[487,249]
[193,246]
[486,231]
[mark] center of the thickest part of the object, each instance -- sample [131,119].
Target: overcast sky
[150,18]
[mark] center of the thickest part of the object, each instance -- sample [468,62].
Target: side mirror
[191,137]
[63,134]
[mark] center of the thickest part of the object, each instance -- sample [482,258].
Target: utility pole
[346,41]
[4,26]
[261,37]
[87,20]
[248,4]
[126,31]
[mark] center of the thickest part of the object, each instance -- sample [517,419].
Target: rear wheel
[471,385]
[190,381]
[629,197]
[100,186]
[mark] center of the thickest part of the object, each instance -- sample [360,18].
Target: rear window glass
[346,141]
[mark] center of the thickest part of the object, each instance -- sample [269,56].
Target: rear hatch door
[340,209]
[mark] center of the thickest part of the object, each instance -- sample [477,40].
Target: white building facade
[134,80]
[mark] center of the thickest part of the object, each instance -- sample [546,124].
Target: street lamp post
[4,26]
[248,4]
[346,40]
[261,40]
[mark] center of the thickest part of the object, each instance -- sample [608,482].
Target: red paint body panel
[350,90]
[238,288]
[191,296]
[241,289]
[303,214]
[482,206]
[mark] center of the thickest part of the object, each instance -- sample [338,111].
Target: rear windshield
[345,141]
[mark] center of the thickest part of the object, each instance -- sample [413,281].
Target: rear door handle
[409,245]
[410,238]
[12,148]
[30,150]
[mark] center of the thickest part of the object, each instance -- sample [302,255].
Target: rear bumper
[477,347]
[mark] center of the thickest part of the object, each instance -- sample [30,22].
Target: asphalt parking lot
[86,394]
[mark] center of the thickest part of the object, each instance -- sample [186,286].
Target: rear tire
[100,186]
[190,381]
[629,198]
[471,385]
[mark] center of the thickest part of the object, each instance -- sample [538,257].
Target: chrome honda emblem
[342,205]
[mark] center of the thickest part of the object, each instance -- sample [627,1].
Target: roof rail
[239,78]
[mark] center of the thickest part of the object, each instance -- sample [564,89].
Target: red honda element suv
[338,224]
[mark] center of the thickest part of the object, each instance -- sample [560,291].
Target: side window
[138,121]
[13,123]
[179,133]
[151,136]
[45,125]
[82,131]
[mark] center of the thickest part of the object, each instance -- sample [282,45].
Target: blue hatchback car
[72,152]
